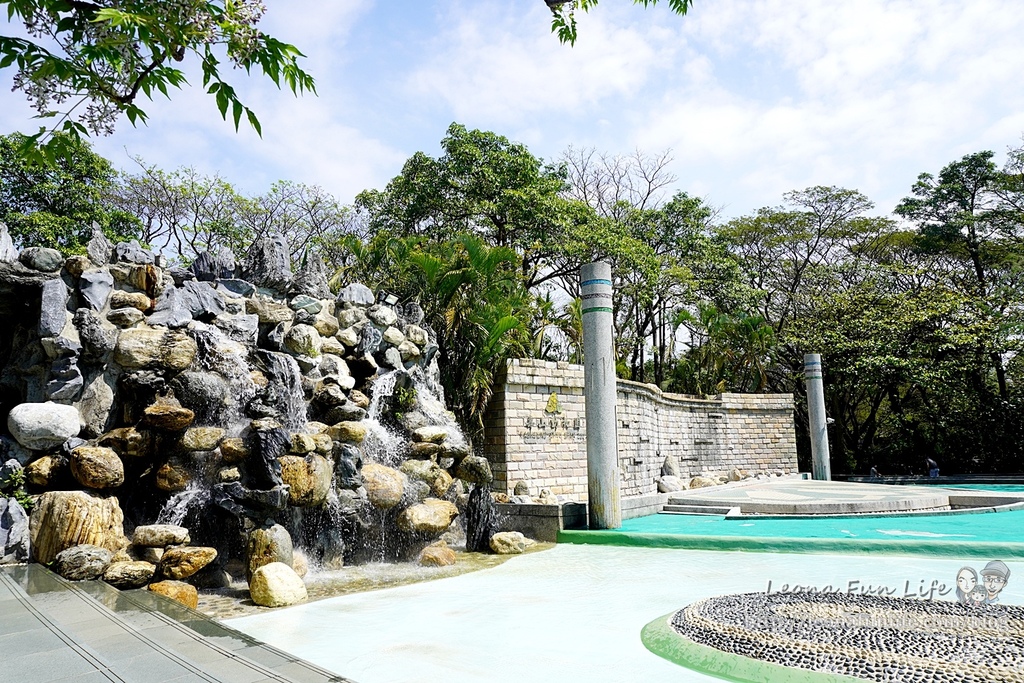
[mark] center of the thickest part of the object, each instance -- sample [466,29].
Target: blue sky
[752,97]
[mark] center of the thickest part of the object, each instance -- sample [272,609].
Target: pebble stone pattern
[875,638]
[526,442]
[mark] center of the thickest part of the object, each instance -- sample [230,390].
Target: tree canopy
[86,64]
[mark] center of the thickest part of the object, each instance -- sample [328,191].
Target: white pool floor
[572,613]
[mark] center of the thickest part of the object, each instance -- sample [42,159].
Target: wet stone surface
[869,637]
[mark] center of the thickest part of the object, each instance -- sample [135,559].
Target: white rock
[40,426]
[276,585]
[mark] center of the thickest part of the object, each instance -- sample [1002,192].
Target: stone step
[140,636]
[673,509]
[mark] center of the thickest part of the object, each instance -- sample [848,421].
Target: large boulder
[201,438]
[148,347]
[702,482]
[431,517]
[82,562]
[128,575]
[168,416]
[96,467]
[438,555]
[276,585]
[303,340]
[178,591]
[184,561]
[348,432]
[384,485]
[355,294]
[268,263]
[475,469]
[160,535]
[509,543]
[42,426]
[430,472]
[63,519]
[15,544]
[308,477]
[53,308]
[42,259]
[266,545]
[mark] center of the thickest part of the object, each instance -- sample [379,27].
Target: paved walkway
[88,632]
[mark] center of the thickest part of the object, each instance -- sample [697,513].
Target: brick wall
[541,440]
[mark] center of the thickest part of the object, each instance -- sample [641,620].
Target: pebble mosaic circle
[866,637]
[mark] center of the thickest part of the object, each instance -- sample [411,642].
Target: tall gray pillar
[820,464]
[599,390]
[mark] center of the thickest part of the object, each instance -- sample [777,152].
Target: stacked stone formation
[869,637]
[145,386]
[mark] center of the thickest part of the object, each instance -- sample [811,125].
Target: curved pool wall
[660,638]
[995,534]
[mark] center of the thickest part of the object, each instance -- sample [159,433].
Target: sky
[752,98]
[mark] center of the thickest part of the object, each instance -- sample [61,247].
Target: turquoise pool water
[1001,527]
[1011,488]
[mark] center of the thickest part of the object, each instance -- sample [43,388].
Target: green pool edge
[933,548]
[660,638]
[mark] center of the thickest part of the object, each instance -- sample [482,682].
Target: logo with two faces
[972,589]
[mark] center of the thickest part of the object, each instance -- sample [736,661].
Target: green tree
[56,205]
[88,63]
[564,11]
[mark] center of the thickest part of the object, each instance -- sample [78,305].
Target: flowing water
[285,387]
[382,444]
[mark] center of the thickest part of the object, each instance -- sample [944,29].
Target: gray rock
[348,461]
[61,347]
[99,248]
[304,302]
[670,468]
[370,339]
[66,381]
[311,278]
[205,302]
[275,337]
[125,317]
[14,532]
[346,412]
[208,267]
[180,275]
[53,308]
[237,287]
[475,469]
[521,489]
[7,250]
[42,259]
[268,264]
[412,313]
[96,286]
[393,358]
[204,393]
[12,450]
[97,403]
[355,294]
[240,328]
[40,426]
[82,562]
[97,339]
[9,469]
[132,252]
[172,309]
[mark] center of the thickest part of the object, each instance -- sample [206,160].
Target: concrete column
[821,465]
[599,389]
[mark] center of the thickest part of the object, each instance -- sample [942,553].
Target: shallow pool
[1002,527]
[1009,488]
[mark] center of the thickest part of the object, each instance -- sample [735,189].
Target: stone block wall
[536,432]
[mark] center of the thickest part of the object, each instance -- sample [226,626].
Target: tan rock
[151,555]
[702,482]
[438,555]
[168,416]
[62,519]
[409,351]
[160,535]
[229,474]
[509,543]
[430,517]
[430,472]
[359,398]
[269,312]
[303,340]
[425,449]
[44,471]
[148,347]
[147,278]
[302,443]
[177,590]
[97,467]
[430,434]
[201,438]
[349,337]
[76,265]
[384,485]
[309,479]
[417,335]
[276,585]
[233,450]
[326,324]
[126,442]
[348,432]
[268,544]
[127,575]
[136,300]
[184,561]
[172,477]
[332,346]
[323,443]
